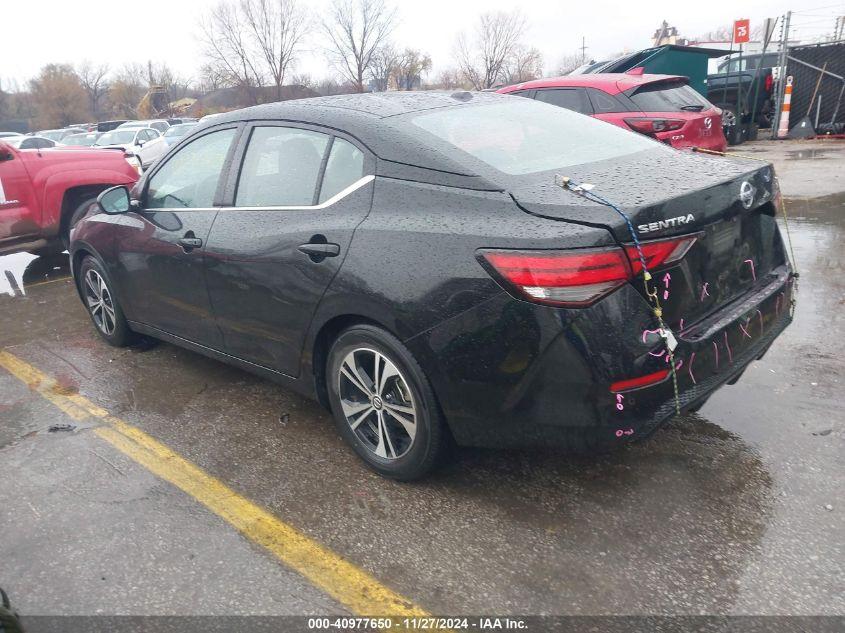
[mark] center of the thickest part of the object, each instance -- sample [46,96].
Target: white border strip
[314,207]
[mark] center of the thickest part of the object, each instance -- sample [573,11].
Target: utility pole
[782,61]
[583,50]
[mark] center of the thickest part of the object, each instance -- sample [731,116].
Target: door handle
[190,243]
[317,250]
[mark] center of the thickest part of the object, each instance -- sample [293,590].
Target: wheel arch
[72,198]
[319,350]
[79,253]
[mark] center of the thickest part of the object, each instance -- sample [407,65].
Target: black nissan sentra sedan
[445,267]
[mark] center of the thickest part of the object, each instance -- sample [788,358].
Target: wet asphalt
[737,509]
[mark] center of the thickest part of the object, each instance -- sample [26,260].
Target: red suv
[662,106]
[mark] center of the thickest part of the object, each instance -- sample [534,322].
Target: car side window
[281,167]
[189,178]
[344,167]
[603,102]
[569,98]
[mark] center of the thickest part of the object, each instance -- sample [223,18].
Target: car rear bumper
[716,142]
[511,373]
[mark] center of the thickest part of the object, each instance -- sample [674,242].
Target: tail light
[579,277]
[640,381]
[651,127]
[769,83]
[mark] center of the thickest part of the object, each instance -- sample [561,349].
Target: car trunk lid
[737,246]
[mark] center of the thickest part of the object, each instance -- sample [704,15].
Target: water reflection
[20,271]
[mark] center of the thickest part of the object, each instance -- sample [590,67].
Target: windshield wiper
[692,108]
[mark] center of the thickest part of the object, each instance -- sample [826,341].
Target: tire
[75,217]
[104,310]
[397,428]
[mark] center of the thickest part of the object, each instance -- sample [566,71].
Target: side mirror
[114,200]
[6,155]
[140,143]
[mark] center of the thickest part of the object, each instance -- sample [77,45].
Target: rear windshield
[117,137]
[522,136]
[663,97]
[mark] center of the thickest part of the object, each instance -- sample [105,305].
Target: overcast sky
[36,32]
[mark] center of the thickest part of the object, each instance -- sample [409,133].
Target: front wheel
[383,404]
[78,213]
[102,306]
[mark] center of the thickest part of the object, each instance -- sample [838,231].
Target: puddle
[19,271]
[809,154]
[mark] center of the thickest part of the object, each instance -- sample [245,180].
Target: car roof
[371,118]
[608,82]
[376,105]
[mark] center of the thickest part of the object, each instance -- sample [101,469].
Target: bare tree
[448,79]
[278,28]
[567,63]
[383,67]
[127,88]
[226,43]
[305,80]
[523,64]
[212,78]
[410,68]
[354,30]
[58,96]
[482,58]
[93,80]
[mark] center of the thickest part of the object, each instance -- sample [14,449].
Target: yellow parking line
[348,584]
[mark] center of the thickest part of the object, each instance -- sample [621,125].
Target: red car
[44,192]
[662,106]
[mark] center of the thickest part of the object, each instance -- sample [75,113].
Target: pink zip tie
[753,274]
[691,361]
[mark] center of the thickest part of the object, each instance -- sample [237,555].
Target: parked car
[88,127]
[145,142]
[108,126]
[410,260]
[29,142]
[180,120]
[664,107]
[85,139]
[753,75]
[176,132]
[160,125]
[58,135]
[43,194]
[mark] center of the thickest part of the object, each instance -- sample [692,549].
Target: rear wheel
[383,404]
[102,306]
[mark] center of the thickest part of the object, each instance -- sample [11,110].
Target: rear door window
[672,97]
[281,167]
[603,102]
[345,167]
[569,98]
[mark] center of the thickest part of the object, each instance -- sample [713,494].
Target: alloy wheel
[99,301]
[377,403]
